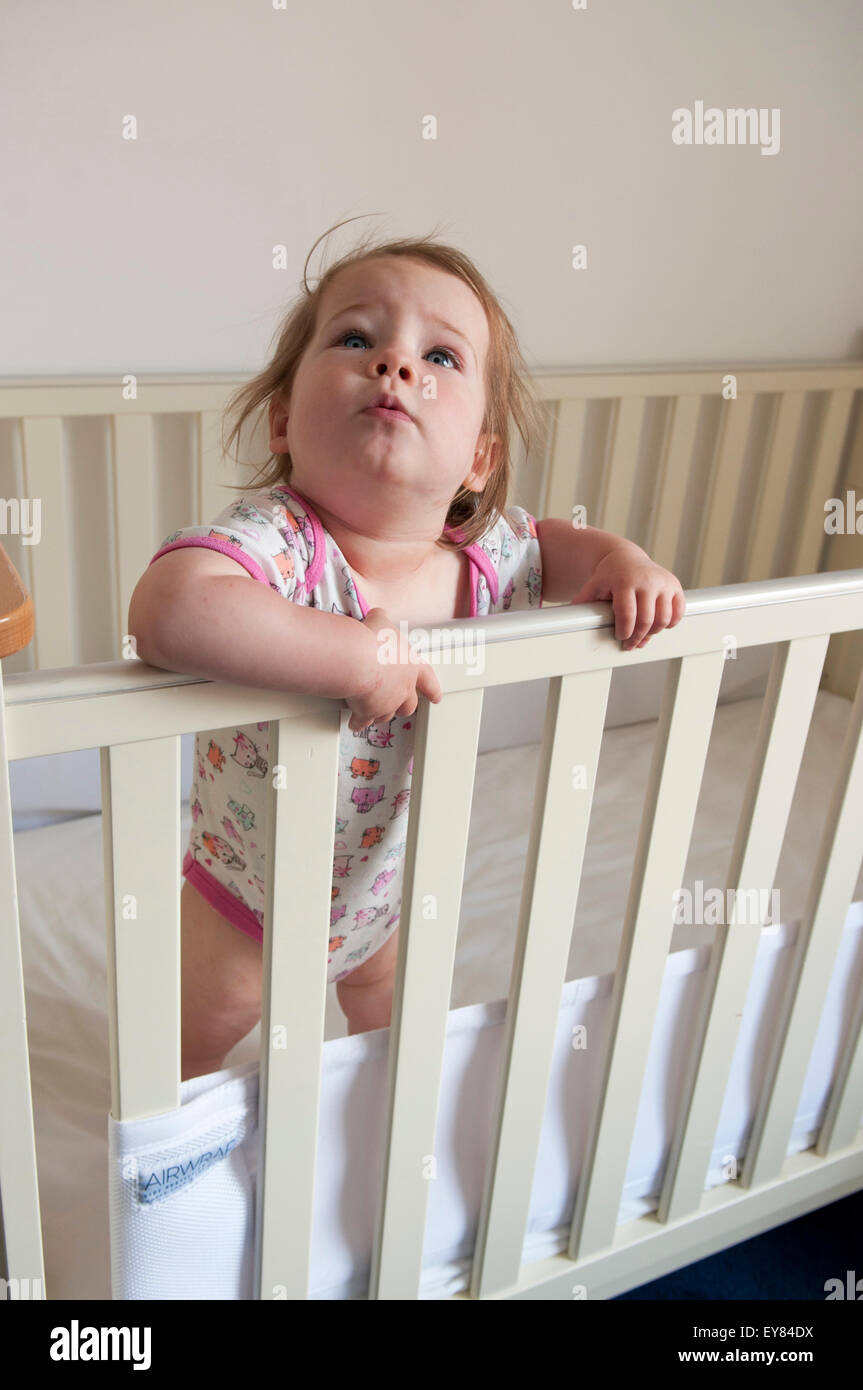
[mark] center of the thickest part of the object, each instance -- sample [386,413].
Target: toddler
[389,399]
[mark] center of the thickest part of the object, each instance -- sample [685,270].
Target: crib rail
[136,714]
[721,473]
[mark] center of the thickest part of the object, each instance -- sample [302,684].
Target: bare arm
[570,554]
[195,610]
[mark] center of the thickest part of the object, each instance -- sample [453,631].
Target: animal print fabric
[276,536]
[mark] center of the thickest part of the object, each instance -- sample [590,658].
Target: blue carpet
[793,1261]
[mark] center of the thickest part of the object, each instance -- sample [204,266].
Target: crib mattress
[61,901]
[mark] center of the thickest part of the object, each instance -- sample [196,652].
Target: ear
[278,425]
[485,462]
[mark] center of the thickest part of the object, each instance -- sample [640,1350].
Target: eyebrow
[438,323]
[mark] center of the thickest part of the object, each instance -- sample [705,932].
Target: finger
[641,620]
[678,606]
[625,613]
[428,683]
[661,617]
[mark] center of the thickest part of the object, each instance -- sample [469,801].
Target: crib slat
[679,753]
[299,869]
[818,940]
[623,460]
[134,499]
[565,455]
[823,479]
[665,521]
[445,750]
[212,495]
[50,561]
[842,1116]
[786,714]
[566,778]
[724,482]
[773,487]
[141,844]
[20,1223]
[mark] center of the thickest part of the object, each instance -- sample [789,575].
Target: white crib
[738,1048]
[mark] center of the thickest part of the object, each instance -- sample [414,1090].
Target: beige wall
[259,127]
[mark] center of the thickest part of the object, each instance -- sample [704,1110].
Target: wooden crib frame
[135,714]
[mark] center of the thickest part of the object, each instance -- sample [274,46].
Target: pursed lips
[386,413]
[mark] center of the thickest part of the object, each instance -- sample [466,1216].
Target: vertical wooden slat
[565,455]
[680,749]
[212,495]
[734,423]
[565,782]
[818,939]
[842,1116]
[445,750]
[299,874]
[141,843]
[844,550]
[19,1189]
[772,488]
[786,714]
[134,508]
[665,522]
[622,463]
[50,561]
[823,478]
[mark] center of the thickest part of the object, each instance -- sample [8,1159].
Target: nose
[386,366]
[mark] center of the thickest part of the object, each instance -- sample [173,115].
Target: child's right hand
[399,683]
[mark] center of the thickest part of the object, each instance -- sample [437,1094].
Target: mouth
[388,408]
[386,413]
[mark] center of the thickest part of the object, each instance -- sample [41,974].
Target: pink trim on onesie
[476,556]
[218,896]
[213,543]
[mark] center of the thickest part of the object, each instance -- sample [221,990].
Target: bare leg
[221,985]
[366,995]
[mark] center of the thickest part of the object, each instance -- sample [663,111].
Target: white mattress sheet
[61,902]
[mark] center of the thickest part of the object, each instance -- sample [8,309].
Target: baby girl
[385,500]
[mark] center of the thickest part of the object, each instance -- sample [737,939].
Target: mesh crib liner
[182,1184]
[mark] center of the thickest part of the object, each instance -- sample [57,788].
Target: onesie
[277,537]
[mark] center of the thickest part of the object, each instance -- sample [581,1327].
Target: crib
[603,1105]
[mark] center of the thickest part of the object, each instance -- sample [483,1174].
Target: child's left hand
[646,598]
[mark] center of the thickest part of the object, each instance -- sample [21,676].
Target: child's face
[360,465]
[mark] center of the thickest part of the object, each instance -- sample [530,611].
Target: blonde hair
[508,390]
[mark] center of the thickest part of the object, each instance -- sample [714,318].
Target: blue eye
[355,333]
[446,352]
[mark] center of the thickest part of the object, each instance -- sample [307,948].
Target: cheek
[317,407]
[464,424]
[456,409]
